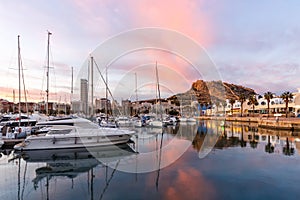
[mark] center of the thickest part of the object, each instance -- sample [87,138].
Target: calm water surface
[245,163]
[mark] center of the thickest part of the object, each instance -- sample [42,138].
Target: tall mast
[47,91]
[92,86]
[71,98]
[19,74]
[86,100]
[136,95]
[106,94]
[14,100]
[158,89]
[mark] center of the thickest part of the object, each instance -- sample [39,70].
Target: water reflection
[50,171]
[248,135]
[71,162]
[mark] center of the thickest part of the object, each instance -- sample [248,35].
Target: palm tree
[253,142]
[286,96]
[232,101]
[288,149]
[242,99]
[253,102]
[269,148]
[268,96]
[242,142]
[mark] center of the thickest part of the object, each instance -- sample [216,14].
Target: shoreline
[290,124]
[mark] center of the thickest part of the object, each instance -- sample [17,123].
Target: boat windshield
[60,131]
[87,125]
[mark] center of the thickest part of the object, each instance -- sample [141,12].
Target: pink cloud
[182,16]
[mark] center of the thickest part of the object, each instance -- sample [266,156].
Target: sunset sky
[252,43]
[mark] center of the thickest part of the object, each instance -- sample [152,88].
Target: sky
[251,43]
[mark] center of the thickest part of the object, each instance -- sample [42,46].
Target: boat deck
[10,143]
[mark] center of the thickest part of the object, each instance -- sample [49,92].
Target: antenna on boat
[47,74]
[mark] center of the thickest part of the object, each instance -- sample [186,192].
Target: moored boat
[75,133]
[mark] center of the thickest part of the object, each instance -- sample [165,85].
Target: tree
[242,99]
[288,149]
[268,96]
[253,142]
[231,101]
[269,148]
[286,96]
[242,142]
[253,102]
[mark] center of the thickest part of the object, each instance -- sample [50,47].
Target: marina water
[174,163]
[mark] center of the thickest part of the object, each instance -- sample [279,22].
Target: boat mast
[14,100]
[19,73]
[47,75]
[136,95]
[92,86]
[106,94]
[158,89]
[71,98]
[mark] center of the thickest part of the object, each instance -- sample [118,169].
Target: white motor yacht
[74,133]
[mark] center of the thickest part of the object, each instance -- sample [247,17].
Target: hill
[211,91]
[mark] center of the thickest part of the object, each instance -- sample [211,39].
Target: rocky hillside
[212,91]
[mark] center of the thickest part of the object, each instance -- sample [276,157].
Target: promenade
[282,123]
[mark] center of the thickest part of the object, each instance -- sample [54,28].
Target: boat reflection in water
[71,163]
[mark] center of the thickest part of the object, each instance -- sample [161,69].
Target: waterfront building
[102,104]
[63,108]
[296,109]
[6,106]
[77,107]
[84,95]
[277,105]
[41,106]
[126,107]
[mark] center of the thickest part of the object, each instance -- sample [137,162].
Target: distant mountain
[211,91]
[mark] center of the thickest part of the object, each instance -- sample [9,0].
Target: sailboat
[157,122]
[18,126]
